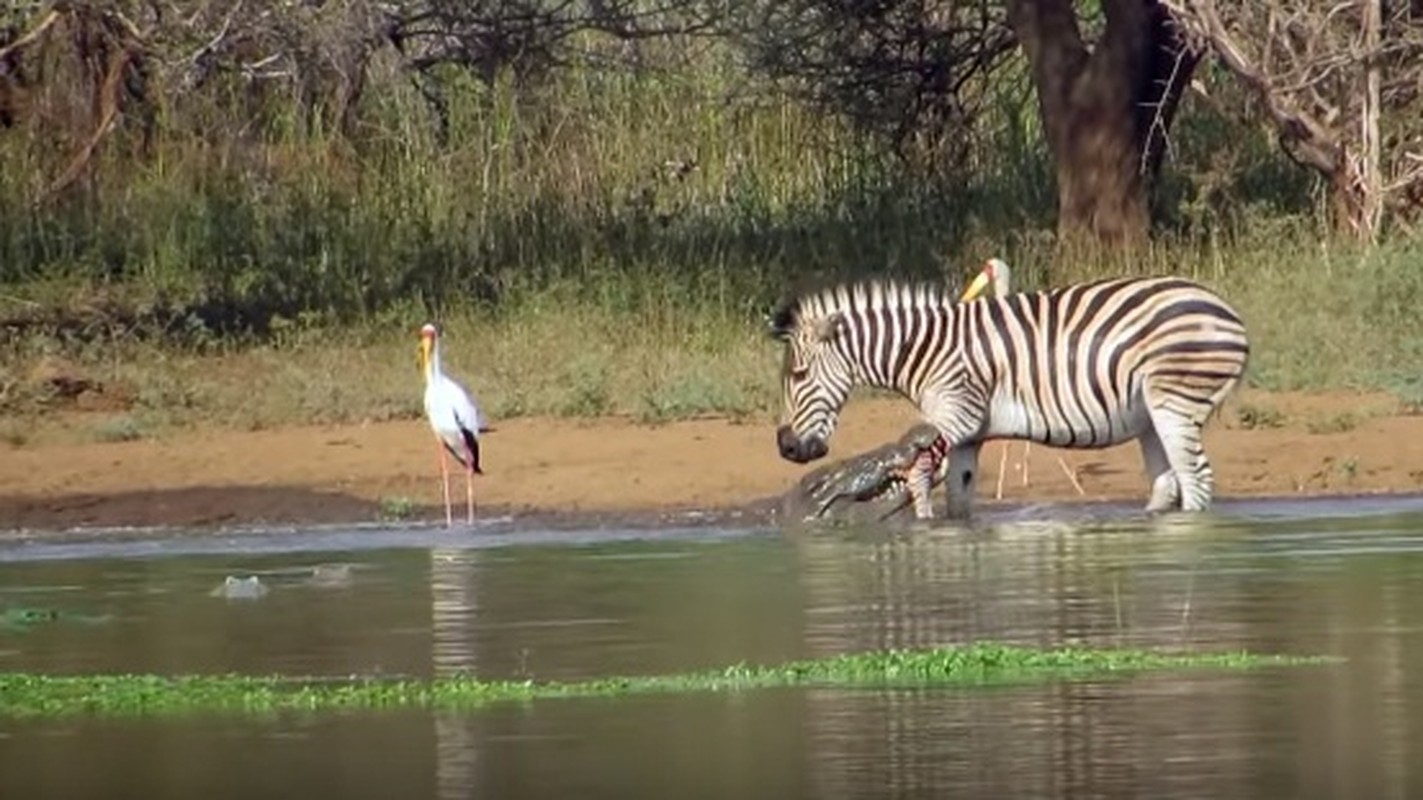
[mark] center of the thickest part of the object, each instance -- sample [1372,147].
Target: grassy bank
[23,695]
[657,349]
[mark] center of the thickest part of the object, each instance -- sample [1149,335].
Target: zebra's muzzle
[794,448]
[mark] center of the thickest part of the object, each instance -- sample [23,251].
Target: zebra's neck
[901,348]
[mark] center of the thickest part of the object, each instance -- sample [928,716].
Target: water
[1326,577]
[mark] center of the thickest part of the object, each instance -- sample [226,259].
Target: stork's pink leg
[445,482]
[1002,471]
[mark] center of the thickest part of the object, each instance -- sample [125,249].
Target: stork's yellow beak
[980,282]
[422,354]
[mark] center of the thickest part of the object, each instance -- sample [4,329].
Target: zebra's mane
[858,296]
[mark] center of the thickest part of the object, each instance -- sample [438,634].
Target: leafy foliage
[911,71]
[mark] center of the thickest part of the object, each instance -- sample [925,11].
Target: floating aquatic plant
[44,695]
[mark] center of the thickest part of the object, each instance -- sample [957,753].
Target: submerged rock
[233,588]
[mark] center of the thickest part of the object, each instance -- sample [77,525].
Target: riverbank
[1263,444]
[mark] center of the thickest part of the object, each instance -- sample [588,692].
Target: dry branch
[109,104]
[30,38]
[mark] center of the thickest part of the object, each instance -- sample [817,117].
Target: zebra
[1082,366]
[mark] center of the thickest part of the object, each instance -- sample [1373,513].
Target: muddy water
[1340,577]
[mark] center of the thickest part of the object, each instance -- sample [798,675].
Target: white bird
[995,273]
[454,417]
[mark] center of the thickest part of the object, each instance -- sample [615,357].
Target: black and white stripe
[1088,365]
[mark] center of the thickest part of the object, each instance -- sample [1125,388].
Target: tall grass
[602,243]
[602,174]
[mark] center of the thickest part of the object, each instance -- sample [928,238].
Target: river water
[1340,577]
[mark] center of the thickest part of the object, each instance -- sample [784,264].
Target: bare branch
[901,69]
[213,43]
[109,99]
[35,33]
[1333,80]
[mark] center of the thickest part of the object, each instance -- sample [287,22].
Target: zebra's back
[1077,366]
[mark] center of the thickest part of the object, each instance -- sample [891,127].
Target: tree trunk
[1105,112]
[1371,212]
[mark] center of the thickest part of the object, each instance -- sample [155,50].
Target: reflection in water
[1072,740]
[1332,731]
[1394,722]
[454,619]
[454,612]
[921,591]
[1359,727]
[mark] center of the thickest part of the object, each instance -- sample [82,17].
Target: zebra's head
[816,377]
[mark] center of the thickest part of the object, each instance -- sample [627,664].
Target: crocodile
[23,618]
[872,486]
[876,485]
[234,588]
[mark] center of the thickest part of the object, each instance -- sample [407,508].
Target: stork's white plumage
[454,417]
[995,273]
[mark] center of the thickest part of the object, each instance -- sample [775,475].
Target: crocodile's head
[871,486]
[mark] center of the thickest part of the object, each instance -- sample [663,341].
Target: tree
[909,68]
[1105,110]
[1342,83]
[903,70]
[252,58]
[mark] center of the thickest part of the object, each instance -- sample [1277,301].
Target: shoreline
[615,468]
[545,528]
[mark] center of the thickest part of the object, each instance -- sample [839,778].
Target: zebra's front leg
[961,480]
[960,418]
[1165,490]
[919,481]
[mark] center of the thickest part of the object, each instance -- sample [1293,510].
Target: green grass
[538,356]
[28,695]
[395,509]
[1318,318]
[1255,417]
[119,429]
[1337,423]
[15,432]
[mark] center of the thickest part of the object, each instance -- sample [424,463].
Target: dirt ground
[1263,444]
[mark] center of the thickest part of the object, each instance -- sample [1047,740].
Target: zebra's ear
[828,328]
[776,328]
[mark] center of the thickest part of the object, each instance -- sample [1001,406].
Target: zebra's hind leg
[961,479]
[1165,491]
[1180,437]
